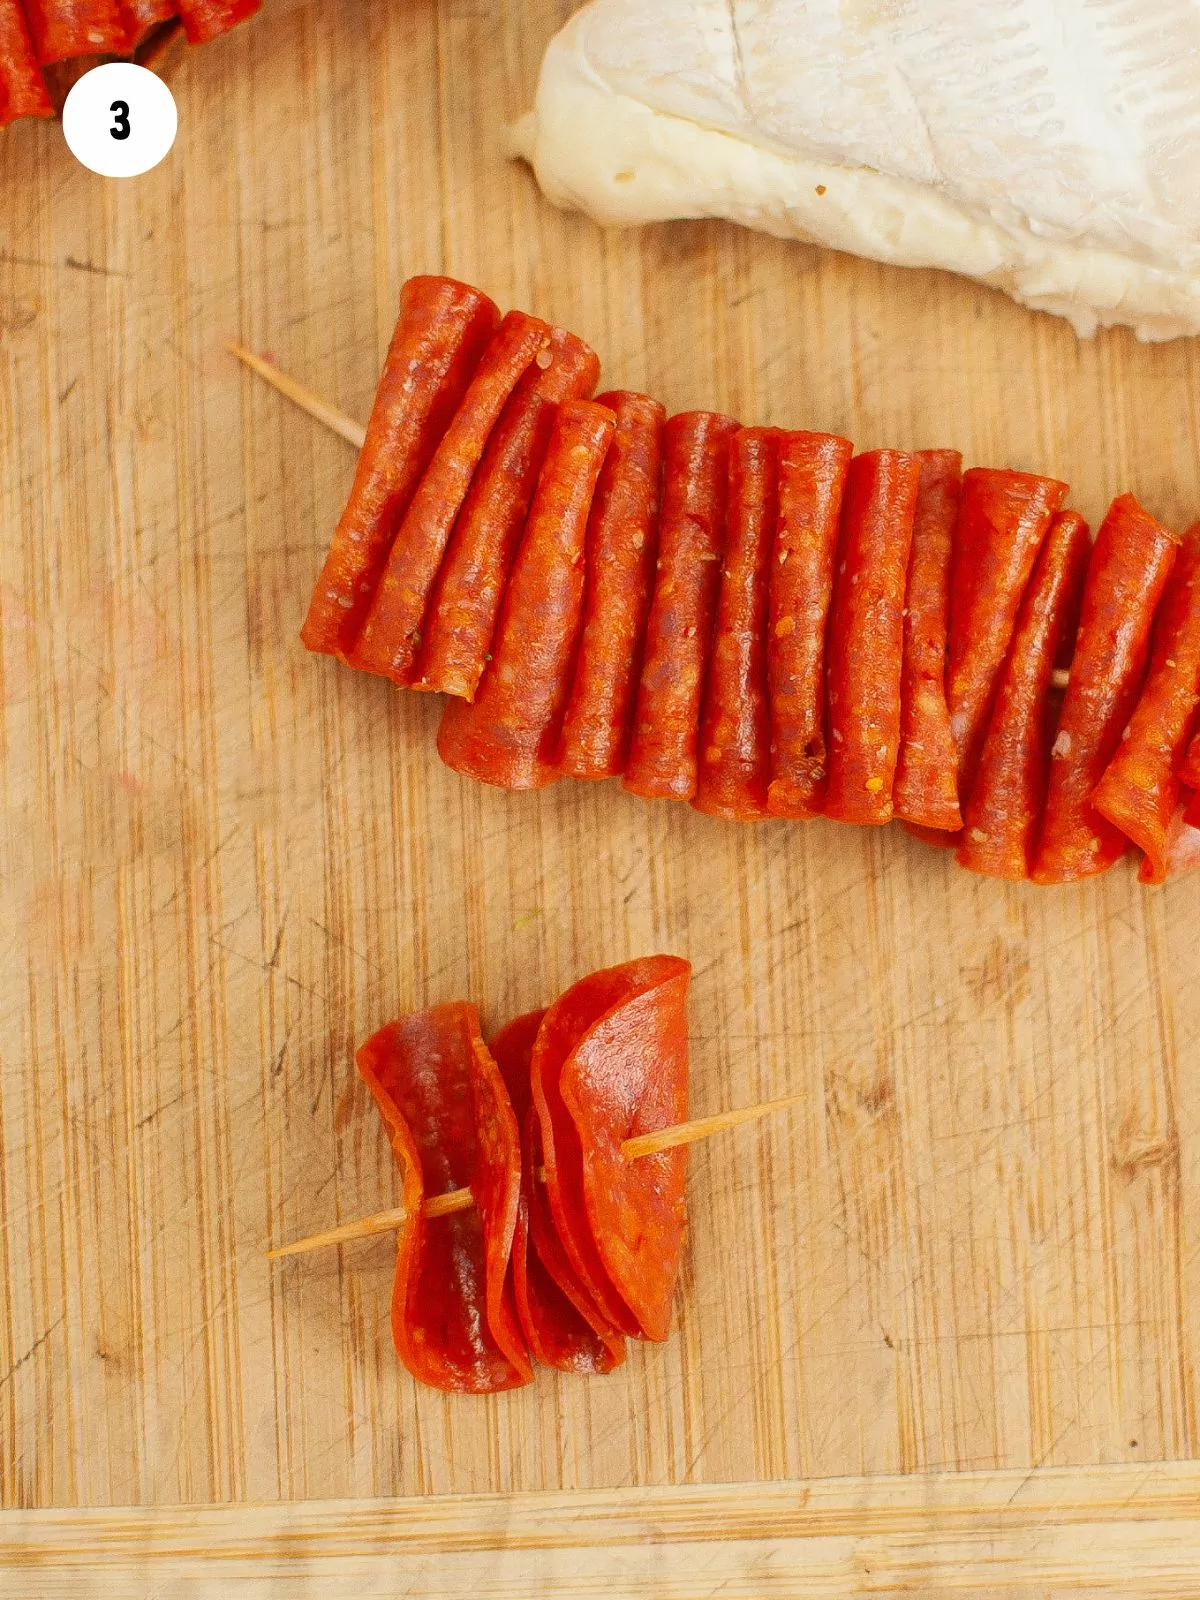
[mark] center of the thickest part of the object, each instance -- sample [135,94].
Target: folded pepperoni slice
[1003,521]
[1139,791]
[1127,574]
[926,789]
[496,1186]
[1183,838]
[558,1332]
[1191,767]
[452,1321]
[1009,792]
[866,635]
[548,1250]
[440,336]
[735,755]
[509,735]
[812,481]
[628,1075]
[691,544]
[22,87]
[648,1075]
[622,546]
[141,16]
[61,29]
[208,19]
[392,633]
[470,586]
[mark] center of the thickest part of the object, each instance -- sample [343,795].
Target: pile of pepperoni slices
[569,1247]
[758,621]
[35,34]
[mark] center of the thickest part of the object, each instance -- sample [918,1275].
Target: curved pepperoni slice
[691,544]
[496,1185]
[926,790]
[1139,792]
[62,29]
[439,340]
[451,1326]
[391,634]
[209,19]
[866,635]
[1191,767]
[1183,838]
[812,482]
[622,545]
[509,734]
[1003,521]
[735,755]
[569,1184]
[141,16]
[22,88]
[470,586]
[552,1278]
[628,1075]
[1009,792]
[557,1332]
[1127,574]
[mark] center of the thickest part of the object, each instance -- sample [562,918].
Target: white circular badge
[120,120]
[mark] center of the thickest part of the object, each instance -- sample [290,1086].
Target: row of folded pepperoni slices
[758,621]
[36,35]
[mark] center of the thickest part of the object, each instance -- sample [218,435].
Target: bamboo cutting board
[970,1254]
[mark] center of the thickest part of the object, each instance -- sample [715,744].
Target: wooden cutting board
[970,1255]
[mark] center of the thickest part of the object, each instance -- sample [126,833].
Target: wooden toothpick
[442,1205]
[341,424]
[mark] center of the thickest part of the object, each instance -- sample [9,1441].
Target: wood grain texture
[225,862]
[1128,1531]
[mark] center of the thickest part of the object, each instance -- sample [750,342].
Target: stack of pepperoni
[44,33]
[569,1247]
[757,621]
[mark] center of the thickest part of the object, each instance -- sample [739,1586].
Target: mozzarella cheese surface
[1050,148]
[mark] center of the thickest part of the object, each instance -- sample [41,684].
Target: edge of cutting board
[1129,1530]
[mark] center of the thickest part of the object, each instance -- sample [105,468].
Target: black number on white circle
[120,128]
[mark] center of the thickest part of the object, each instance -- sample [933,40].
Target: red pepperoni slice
[1183,838]
[496,1185]
[452,1324]
[440,337]
[140,17]
[22,88]
[570,1162]
[622,544]
[812,481]
[510,734]
[1003,521]
[1191,767]
[628,1075]
[470,586]
[547,1248]
[61,29]
[208,19]
[1139,792]
[391,635]
[557,1333]
[662,757]
[735,739]
[1009,792]
[926,789]
[866,635]
[1129,569]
